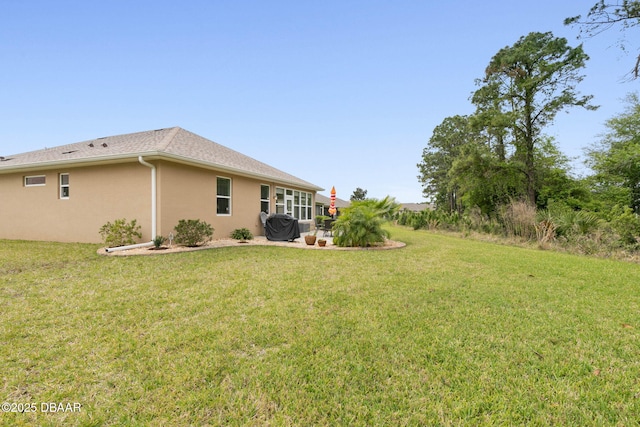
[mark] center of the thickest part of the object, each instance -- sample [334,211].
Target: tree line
[500,155]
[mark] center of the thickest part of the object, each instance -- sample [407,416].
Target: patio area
[297,243]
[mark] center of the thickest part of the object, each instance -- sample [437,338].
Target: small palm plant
[158,241]
[360,225]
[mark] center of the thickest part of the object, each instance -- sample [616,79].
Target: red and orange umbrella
[332,205]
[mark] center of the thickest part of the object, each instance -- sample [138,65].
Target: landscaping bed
[259,241]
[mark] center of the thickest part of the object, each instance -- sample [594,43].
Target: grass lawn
[445,331]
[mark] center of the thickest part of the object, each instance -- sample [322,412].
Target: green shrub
[120,233]
[571,223]
[626,224]
[193,232]
[158,241]
[241,234]
[479,221]
[419,220]
[361,223]
[452,221]
[404,217]
[434,219]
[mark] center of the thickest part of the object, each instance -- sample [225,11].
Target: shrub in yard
[158,241]
[193,232]
[584,222]
[478,221]
[571,223]
[361,223]
[626,224]
[404,217]
[519,219]
[241,234]
[545,227]
[120,233]
[420,220]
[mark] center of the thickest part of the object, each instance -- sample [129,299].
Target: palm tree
[360,225]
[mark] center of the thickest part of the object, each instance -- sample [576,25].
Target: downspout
[154,201]
[125,248]
[153,212]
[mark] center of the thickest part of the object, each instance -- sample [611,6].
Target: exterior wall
[186,192]
[103,193]
[96,195]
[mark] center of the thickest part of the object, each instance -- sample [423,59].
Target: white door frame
[288,201]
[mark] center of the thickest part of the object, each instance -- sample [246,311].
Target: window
[223,204]
[302,207]
[64,186]
[295,203]
[310,206]
[279,200]
[288,202]
[264,198]
[34,181]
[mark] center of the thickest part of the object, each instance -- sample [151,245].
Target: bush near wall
[242,234]
[120,233]
[193,232]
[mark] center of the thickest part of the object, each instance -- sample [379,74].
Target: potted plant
[322,242]
[310,239]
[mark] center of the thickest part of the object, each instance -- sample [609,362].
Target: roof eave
[149,155]
[237,171]
[121,158]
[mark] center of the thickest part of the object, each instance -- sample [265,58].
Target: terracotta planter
[322,242]
[310,240]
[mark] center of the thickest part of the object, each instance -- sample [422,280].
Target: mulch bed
[221,243]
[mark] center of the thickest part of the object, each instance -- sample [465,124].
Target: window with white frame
[64,185]
[309,206]
[279,200]
[223,201]
[298,204]
[302,205]
[265,190]
[35,181]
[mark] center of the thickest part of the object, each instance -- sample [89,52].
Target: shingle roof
[327,200]
[173,143]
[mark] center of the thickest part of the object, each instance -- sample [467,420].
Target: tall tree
[437,158]
[482,179]
[616,159]
[526,85]
[491,119]
[603,16]
[358,194]
[555,182]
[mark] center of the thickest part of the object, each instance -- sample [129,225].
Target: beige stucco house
[157,177]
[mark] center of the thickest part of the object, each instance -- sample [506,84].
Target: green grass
[445,331]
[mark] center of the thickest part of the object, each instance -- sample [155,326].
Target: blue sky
[353,88]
